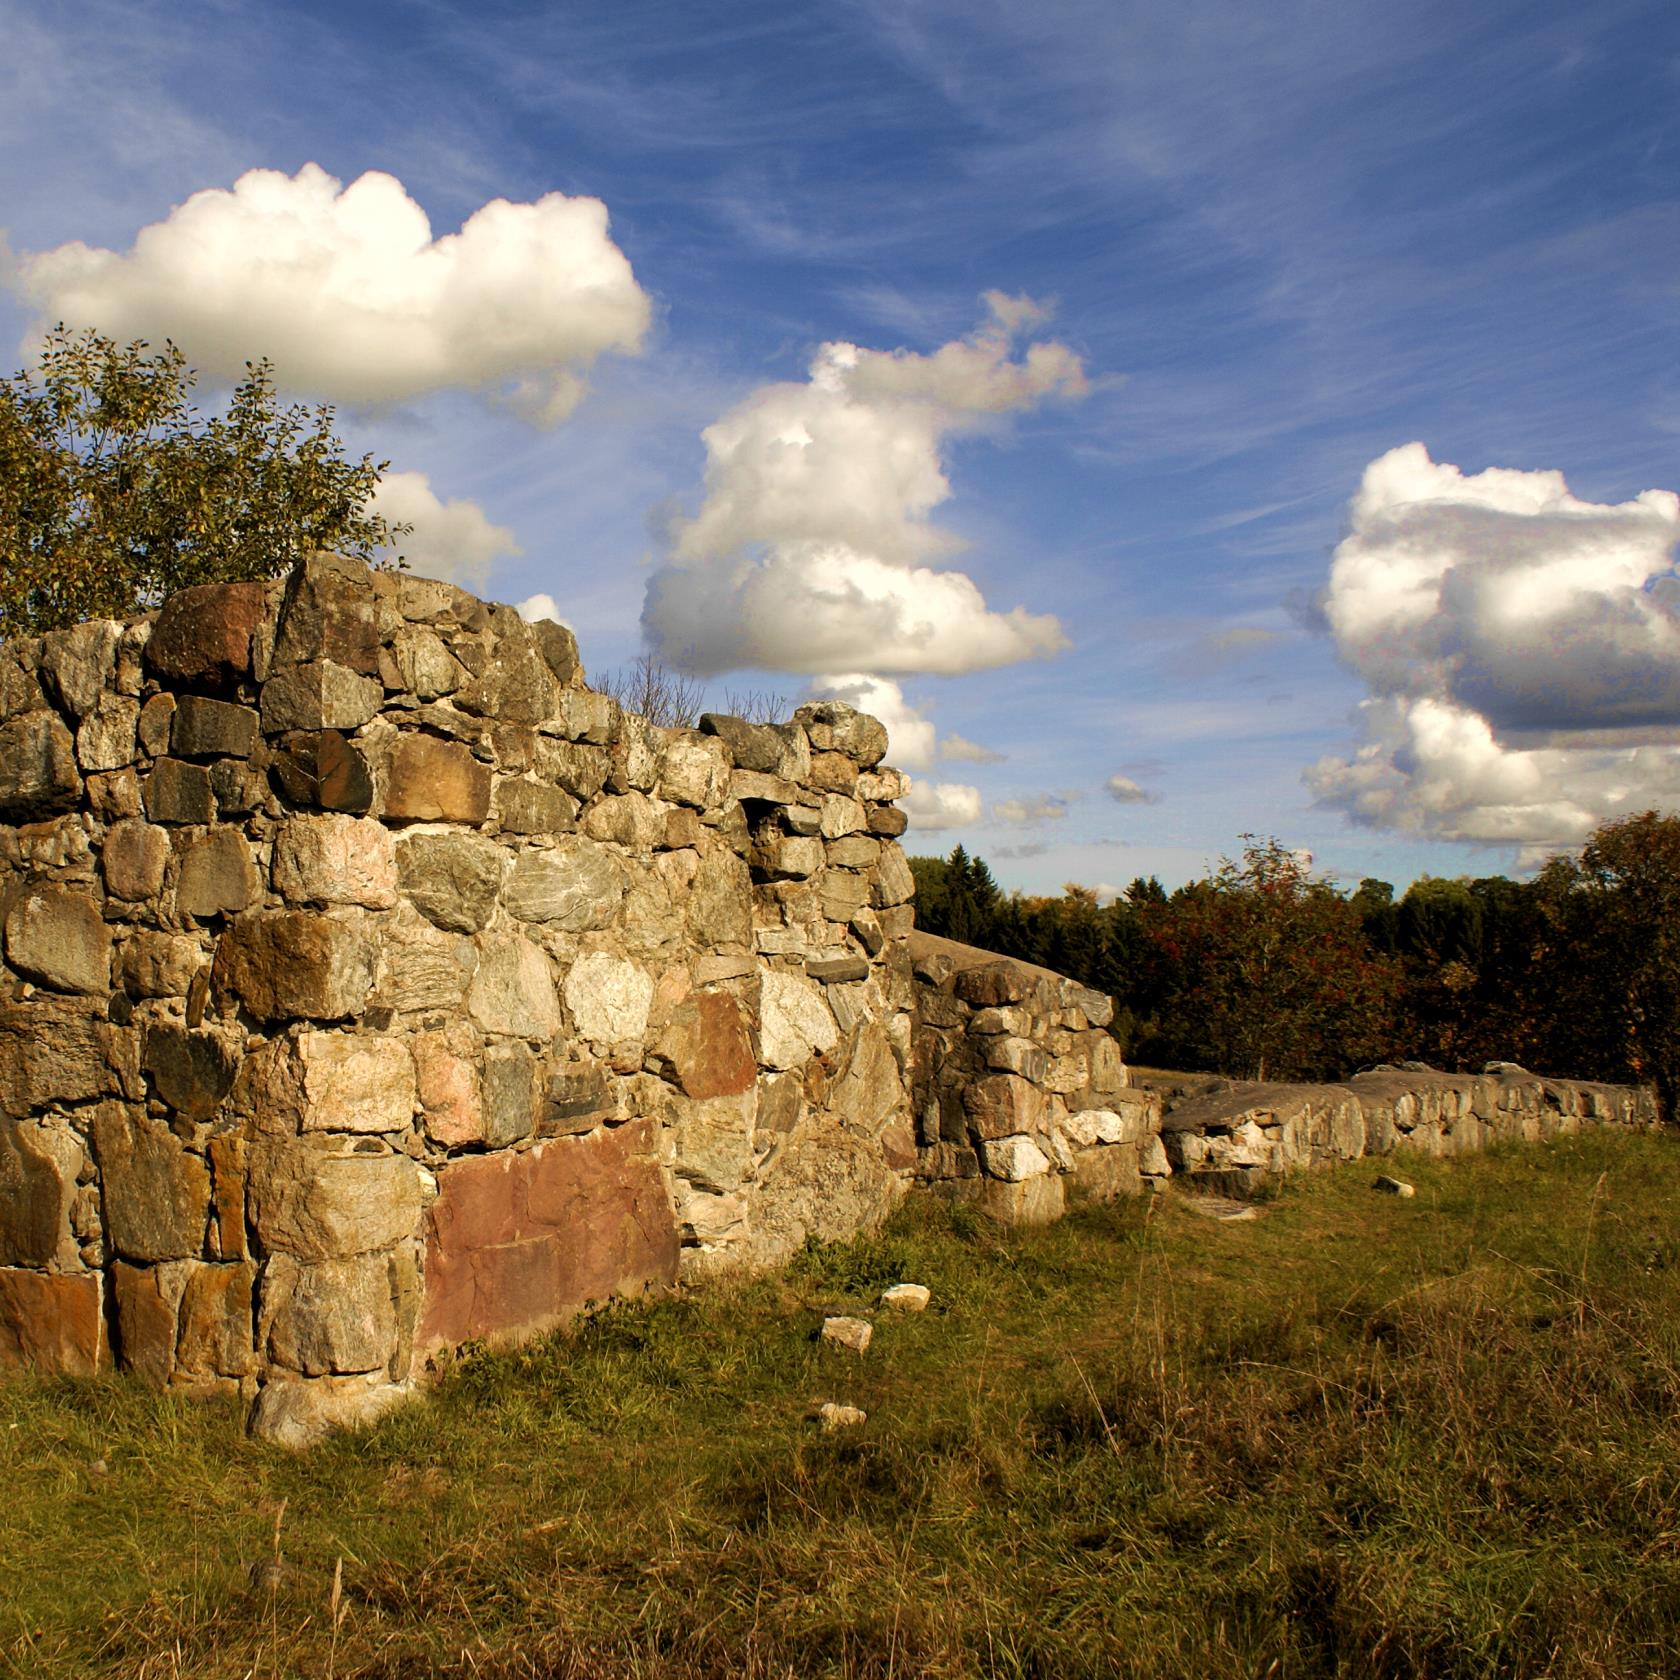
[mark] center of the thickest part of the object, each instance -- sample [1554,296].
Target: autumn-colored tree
[1263,971]
[114,490]
[1618,911]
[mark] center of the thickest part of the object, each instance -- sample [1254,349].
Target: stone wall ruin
[372,984]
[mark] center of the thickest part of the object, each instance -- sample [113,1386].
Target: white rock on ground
[852,1333]
[907,1297]
[832,1415]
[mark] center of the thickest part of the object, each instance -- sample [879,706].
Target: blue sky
[1273,243]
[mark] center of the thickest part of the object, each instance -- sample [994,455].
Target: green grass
[1357,1436]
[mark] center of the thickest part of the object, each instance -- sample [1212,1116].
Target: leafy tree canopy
[1618,909]
[115,491]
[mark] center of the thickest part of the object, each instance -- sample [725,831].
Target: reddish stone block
[204,634]
[518,1243]
[52,1322]
[709,1047]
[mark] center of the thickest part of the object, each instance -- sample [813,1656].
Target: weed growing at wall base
[1356,1436]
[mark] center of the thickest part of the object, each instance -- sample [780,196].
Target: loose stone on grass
[833,1415]
[907,1297]
[1393,1186]
[853,1334]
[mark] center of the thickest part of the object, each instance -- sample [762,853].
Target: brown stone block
[335,858]
[752,746]
[37,767]
[53,1323]
[517,1243]
[90,1058]
[1030,1201]
[436,781]
[835,726]
[323,695]
[339,1317]
[833,772]
[191,1071]
[204,728]
[228,1239]
[38,1169]
[322,768]
[133,859]
[294,964]
[993,985]
[321,1199]
[157,1195]
[178,792]
[59,938]
[576,1098]
[148,1302]
[203,635]
[509,1083]
[329,611]
[517,685]
[114,797]
[216,1336]
[898,1146]
[1108,1171]
[1002,1104]
[534,808]
[559,650]
[217,876]
[452,879]
[106,738]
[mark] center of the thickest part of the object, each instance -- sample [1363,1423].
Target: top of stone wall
[380,693]
[985,979]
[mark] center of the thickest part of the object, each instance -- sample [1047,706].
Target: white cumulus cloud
[451,539]
[1127,792]
[536,607]
[813,549]
[931,805]
[348,293]
[1522,648]
[909,734]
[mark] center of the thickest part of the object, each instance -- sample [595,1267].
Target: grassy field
[1355,1436]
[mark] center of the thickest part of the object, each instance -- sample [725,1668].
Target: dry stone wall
[1242,1134]
[1019,1090]
[371,983]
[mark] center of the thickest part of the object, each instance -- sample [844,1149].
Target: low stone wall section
[1244,1134]
[1019,1090]
[371,984]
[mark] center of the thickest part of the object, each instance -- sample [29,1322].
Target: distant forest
[1264,970]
